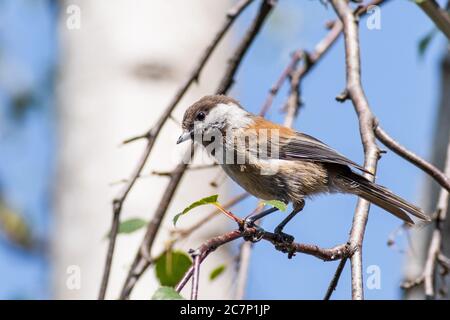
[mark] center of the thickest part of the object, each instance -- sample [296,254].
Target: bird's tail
[381,196]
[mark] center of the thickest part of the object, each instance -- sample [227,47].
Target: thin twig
[166,173]
[232,202]
[233,64]
[195,280]
[294,101]
[439,16]
[142,258]
[430,265]
[337,275]
[419,162]
[206,248]
[190,168]
[117,209]
[296,56]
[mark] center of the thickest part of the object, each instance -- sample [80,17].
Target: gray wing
[307,148]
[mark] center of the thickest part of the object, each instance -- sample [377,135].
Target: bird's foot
[283,242]
[252,232]
[283,237]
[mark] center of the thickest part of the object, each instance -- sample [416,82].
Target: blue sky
[402,89]
[27,59]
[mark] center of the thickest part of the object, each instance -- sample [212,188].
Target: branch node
[146,135]
[330,24]
[343,96]
[307,56]
[194,252]
[117,204]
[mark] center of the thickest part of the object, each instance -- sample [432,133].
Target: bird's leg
[249,222]
[279,229]
[251,219]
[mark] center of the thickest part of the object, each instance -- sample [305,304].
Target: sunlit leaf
[217,272]
[280,205]
[201,202]
[166,293]
[425,41]
[131,225]
[14,226]
[21,103]
[171,267]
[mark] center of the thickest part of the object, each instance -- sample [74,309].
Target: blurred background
[79,77]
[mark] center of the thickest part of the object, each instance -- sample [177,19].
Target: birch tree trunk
[118,71]
[421,237]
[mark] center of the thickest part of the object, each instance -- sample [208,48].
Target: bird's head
[212,114]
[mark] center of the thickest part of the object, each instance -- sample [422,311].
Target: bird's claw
[284,238]
[254,235]
[283,243]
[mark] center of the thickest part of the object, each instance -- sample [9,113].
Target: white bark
[117,73]
[421,237]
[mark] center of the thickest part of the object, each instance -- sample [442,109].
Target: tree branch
[233,64]
[310,59]
[213,214]
[196,272]
[427,167]
[439,16]
[337,275]
[295,59]
[294,101]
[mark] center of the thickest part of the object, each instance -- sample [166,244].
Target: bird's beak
[184,136]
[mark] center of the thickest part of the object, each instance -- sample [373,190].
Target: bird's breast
[252,178]
[287,181]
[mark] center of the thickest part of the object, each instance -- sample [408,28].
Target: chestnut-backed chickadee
[273,162]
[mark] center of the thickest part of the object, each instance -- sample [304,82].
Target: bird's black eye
[200,116]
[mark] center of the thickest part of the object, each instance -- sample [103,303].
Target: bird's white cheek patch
[230,115]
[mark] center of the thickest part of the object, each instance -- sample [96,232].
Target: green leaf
[15,227]
[425,42]
[171,267]
[201,202]
[280,205]
[131,225]
[166,293]
[217,272]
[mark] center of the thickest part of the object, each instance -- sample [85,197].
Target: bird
[293,167]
